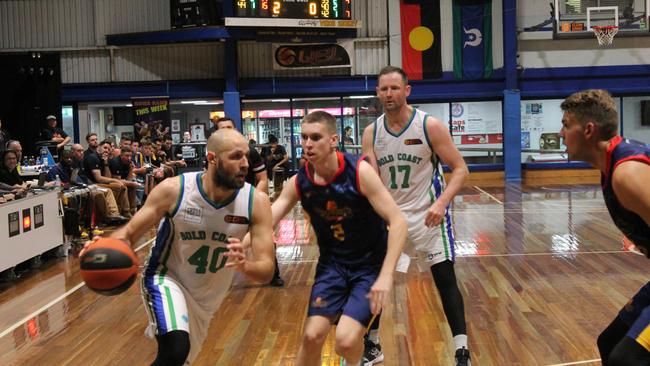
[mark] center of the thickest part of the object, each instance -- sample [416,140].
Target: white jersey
[413,174]
[407,163]
[185,278]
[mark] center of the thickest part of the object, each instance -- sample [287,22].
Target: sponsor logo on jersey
[332,212]
[193,215]
[412,142]
[232,219]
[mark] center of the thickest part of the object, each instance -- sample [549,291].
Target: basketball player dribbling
[589,131]
[202,217]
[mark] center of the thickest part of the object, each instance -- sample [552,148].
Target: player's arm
[630,184]
[378,196]
[368,146]
[262,265]
[160,201]
[443,145]
[262,181]
[288,198]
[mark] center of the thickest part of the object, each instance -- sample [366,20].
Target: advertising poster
[151,117]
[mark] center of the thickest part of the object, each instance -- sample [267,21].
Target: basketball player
[203,216]
[347,205]
[589,126]
[256,176]
[407,146]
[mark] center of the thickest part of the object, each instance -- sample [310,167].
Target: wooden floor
[542,271]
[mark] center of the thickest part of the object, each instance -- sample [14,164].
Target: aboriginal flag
[420,25]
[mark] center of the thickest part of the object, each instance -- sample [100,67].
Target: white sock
[373,335]
[460,341]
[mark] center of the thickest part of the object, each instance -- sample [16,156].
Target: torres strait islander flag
[420,25]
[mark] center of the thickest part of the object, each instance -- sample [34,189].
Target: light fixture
[361,96]
[279,100]
[193,101]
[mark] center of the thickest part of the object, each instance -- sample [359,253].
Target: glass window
[477,130]
[541,121]
[636,118]
[366,110]
[67,124]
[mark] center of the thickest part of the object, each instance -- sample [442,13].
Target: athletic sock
[460,341]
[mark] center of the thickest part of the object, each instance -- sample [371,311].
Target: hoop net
[605,34]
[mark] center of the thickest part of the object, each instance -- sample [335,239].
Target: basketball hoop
[605,34]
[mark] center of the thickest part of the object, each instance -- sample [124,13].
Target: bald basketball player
[202,217]
[589,127]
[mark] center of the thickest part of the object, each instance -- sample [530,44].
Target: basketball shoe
[372,353]
[462,357]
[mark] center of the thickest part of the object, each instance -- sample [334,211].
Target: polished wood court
[542,271]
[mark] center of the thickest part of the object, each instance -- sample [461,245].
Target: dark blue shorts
[341,289]
[636,314]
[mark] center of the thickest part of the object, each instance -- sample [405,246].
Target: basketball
[109,266]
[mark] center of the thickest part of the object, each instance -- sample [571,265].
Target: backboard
[576,18]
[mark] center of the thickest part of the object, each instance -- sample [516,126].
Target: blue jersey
[631,224]
[347,227]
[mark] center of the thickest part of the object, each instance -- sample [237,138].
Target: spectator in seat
[9,176]
[15,146]
[121,168]
[54,134]
[96,168]
[103,198]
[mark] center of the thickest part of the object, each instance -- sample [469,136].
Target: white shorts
[431,245]
[169,307]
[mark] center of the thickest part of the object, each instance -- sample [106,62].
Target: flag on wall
[420,25]
[472,39]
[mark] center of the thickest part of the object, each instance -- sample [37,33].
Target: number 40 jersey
[192,240]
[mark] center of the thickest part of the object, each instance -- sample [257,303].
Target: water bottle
[38,160]
[57,181]
[44,152]
[25,161]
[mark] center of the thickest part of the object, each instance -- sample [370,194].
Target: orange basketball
[109,266]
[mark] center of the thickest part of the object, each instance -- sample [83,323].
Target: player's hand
[236,255]
[379,293]
[87,244]
[435,213]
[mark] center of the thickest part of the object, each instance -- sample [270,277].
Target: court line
[489,195]
[494,255]
[51,303]
[575,363]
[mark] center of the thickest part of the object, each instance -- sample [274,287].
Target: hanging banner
[313,56]
[151,117]
[472,39]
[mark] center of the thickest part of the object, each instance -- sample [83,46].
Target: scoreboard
[296,9]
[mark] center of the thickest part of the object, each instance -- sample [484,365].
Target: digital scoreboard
[294,9]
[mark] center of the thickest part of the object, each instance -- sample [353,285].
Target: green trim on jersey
[413,113]
[179,198]
[426,133]
[170,306]
[217,205]
[250,205]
